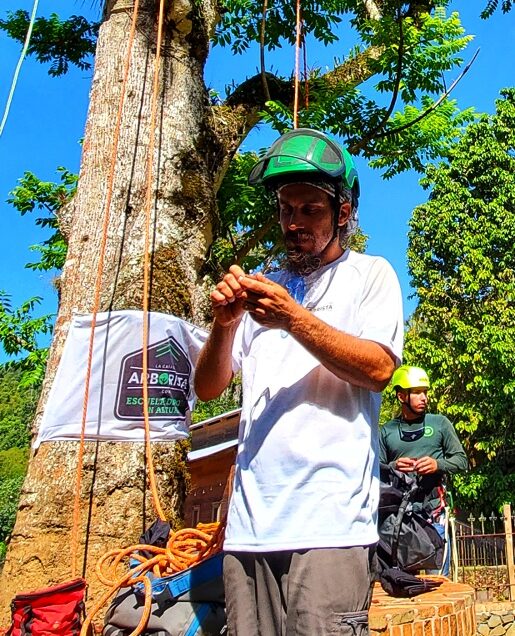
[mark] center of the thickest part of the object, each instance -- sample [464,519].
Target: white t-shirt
[115,397]
[307,467]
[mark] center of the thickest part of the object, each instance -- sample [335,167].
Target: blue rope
[18,66]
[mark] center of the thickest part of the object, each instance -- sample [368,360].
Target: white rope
[18,66]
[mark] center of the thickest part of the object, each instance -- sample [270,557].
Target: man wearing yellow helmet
[422,444]
[315,342]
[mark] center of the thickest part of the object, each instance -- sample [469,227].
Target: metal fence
[482,554]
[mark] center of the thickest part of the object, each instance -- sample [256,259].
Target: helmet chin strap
[333,238]
[336,216]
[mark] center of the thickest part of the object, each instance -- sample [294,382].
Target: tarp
[115,404]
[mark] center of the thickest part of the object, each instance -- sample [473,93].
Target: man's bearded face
[306,217]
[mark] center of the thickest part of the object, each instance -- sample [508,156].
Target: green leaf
[60,42]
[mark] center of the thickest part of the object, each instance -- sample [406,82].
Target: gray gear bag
[190,603]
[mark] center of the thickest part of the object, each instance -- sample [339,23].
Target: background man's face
[416,398]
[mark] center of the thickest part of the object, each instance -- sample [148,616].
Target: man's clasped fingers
[256,303]
[229,288]
[262,287]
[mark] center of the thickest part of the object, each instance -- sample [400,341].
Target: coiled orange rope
[185,548]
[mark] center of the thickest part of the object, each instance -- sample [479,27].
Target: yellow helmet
[407,377]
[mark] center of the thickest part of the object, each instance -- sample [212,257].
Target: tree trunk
[115,503]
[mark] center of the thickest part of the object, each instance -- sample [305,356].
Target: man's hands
[268,303]
[228,297]
[405,464]
[426,465]
[423,466]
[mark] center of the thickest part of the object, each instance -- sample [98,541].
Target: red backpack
[55,610]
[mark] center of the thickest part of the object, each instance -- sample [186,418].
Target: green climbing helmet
[304,152]
[407,377]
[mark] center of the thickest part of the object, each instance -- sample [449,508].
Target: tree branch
[240,112]
[433,107]
[236,117]
[395,92]
[253,240]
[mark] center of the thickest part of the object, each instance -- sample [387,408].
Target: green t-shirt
[434,437]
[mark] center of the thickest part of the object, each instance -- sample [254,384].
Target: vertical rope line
[96,301]
[264,82]
[298,29]
[18,66]
[305,60]
[146,262]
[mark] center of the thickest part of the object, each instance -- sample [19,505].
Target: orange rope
[264,82]
[305,60]
[184,549]
[146,264]
[298,27]
[96,301]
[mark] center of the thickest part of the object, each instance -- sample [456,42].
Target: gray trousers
[299,593]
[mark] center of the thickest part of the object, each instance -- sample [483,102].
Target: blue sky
[48,115]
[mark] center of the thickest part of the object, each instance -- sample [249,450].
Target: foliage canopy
[381,98]
[17,407]
[461,258]
[60,42]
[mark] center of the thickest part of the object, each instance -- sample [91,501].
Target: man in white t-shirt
[316,343]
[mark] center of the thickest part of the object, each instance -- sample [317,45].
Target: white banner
[115,404]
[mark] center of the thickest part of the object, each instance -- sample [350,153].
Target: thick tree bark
[115,503]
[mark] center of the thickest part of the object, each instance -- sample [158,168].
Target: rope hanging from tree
[305,63]
[188,546]
[146,264]
[18,65]
[96,299]
[298,33]
[300,42]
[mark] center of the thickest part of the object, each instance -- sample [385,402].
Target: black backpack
[408,541]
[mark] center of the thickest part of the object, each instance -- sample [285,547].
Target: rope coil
[184,549]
